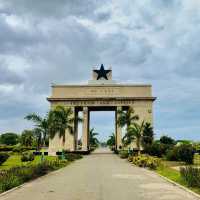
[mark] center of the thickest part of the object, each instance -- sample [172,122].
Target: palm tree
[37,132]
[41,124]
[135,132]
[147,138]
[93,141]
[111,140]
[27,138]
[127,118]
[59,120]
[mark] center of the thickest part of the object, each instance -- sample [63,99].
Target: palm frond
[34,117]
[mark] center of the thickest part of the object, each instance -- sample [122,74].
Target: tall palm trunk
[138,142]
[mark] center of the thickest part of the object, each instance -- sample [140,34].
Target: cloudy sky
[145,41]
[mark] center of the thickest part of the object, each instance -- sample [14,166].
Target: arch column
[76,129]
[118,129]
[70,137]
[85,133]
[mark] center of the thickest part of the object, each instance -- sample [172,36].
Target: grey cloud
[145,41]
[52,8]
[17,41]
[7,76]
[101,16]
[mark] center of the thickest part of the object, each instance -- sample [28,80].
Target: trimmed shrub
[20,149]
[123,154]
[3,157]
[37,153]
[15,148]
[191,175]
[146,161]
[27,157]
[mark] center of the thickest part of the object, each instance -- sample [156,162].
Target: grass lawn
[15,160]
[174,175]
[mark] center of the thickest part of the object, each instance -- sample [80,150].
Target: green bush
[3,157]
[173,154]
[186,153]
[18,175]
[146,161]
[157,149]
[167,140]
[9,138]
[183,152]
[123,154]
[191,175]
[27,157]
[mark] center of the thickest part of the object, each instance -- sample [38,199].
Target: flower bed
[145,161]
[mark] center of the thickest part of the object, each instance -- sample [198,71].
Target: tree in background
[147,138]
[27,138]
[93,141]
[111,140]
[40,124]
[9,139]
[167,140]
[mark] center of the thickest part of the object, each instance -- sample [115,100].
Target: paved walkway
[100,176]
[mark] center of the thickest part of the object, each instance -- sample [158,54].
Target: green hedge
[6,148]
[18,175]
[72,156]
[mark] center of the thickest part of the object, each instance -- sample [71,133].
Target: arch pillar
[118,129]
[85,133]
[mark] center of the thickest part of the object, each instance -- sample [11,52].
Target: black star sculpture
[102,72]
